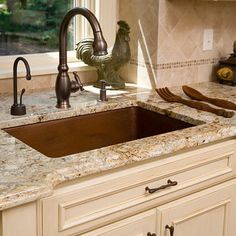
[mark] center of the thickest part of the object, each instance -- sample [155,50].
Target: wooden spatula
[194,94]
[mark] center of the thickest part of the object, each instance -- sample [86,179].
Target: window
[31,27]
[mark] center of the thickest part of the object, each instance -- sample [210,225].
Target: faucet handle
[19,109]
[76,84]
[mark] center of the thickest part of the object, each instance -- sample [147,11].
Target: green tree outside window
[31,26]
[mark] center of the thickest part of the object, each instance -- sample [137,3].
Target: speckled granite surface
[27,175]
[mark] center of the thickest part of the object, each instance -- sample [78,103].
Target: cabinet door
[143,224]
[211,212]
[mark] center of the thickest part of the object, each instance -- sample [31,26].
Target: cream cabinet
[82,207]
[184,192]
[210,212]
[207,213]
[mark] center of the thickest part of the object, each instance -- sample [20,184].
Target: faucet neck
[28,75]
[100,45]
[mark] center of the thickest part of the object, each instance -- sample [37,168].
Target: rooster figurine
[108,65]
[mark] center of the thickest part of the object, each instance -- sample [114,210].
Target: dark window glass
[32,26]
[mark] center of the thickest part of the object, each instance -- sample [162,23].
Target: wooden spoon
[194,94]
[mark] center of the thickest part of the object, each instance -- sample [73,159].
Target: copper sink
[82,133]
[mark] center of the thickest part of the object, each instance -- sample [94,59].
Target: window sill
[40,64]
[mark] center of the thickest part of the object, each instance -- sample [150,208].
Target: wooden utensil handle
[205,107]
[222,103]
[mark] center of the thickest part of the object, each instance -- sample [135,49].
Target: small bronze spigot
[103,91]
[19,109]
[63,83]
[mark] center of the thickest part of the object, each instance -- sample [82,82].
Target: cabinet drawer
[102,200]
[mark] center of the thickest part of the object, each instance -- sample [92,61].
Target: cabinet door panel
[208,213]
[138,225]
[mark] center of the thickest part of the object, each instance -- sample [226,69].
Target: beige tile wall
[167,38]
[143,19]
[181,24]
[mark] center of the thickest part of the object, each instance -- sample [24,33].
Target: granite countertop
[27,175]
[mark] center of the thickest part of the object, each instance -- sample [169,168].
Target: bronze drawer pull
[150,234]
[171,229]
[169,184]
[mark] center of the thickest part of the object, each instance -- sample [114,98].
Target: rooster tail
[84,52]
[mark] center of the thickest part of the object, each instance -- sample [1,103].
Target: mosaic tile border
[174,65]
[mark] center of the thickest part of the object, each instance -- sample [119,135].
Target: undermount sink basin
[82,133]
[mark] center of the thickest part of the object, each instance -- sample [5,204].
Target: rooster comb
[123,25]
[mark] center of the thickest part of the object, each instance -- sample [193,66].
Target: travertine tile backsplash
[181,25]
[167,39]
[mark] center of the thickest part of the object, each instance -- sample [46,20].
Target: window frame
[46,63]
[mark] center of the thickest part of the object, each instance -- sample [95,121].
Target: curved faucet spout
[19,109]
[63,83]
[28,75]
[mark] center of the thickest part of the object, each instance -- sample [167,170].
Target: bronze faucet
[63,84]
[19,109]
